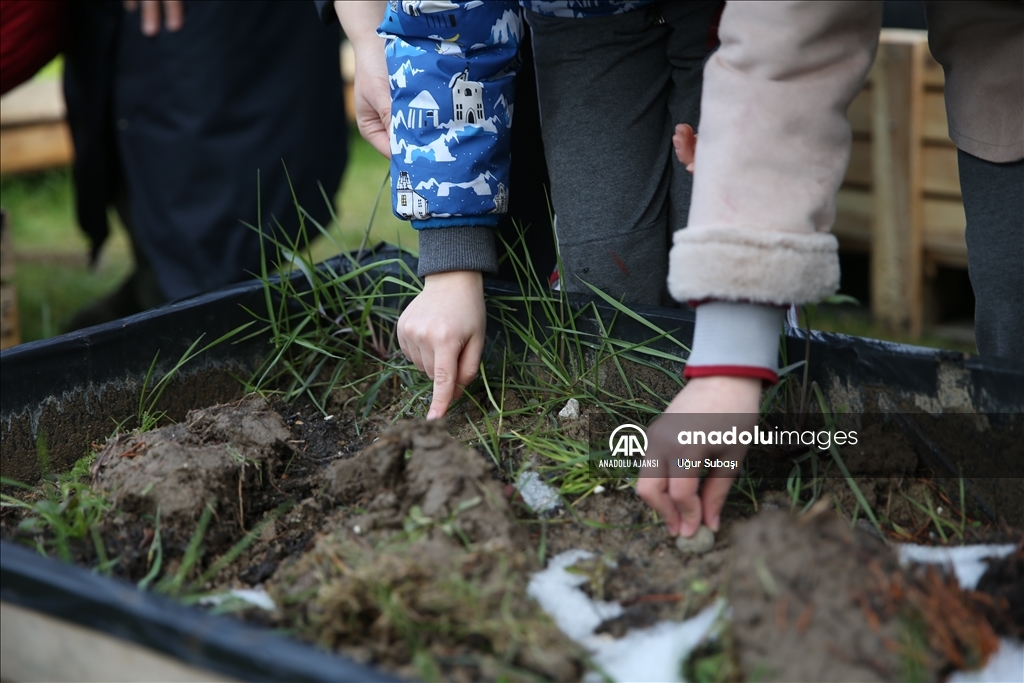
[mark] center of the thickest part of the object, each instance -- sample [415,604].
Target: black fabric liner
[38,370]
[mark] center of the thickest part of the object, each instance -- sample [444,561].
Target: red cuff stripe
[731,371]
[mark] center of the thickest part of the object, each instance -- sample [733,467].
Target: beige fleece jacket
[775,139]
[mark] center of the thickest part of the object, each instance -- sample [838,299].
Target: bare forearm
[360,19]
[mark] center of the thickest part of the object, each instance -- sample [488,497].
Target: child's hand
[736,402]
[684,141]
[371,88]
[442,333]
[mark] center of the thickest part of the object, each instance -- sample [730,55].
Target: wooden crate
[33,132]
[900,200]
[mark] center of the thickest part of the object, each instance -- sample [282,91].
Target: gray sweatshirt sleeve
[459,248]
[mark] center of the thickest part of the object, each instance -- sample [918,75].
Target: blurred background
[902,251]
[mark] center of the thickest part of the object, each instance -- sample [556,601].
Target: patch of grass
[62,509]
[333,329]
[714,660]
[946,529]
[549,356]
[837,458]
[52,273]
[149,416]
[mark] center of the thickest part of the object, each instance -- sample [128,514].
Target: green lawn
[52,274]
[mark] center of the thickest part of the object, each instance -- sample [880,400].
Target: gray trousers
[611,90]
[994,202]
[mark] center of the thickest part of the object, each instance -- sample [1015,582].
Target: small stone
[699,543]
[571,411]
[598,489]
[537,494]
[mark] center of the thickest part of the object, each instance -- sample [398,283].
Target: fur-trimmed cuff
[751,264]
[736,339]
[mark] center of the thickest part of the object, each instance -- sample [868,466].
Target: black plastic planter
[69,390]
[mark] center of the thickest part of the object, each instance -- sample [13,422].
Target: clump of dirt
[792,585]
[1001,593]
[424,568]
[416,470]
[816,600]
[226,457]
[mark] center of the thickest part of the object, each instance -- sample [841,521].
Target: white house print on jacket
[423,111]
[431,11]
[467,99]
[409,203]
[501,199]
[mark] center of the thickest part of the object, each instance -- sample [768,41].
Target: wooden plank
[944,226]
[940,171]
[935,127]
[33,102]
[32,148]
[896,275]
[932,76]
[10,327]
[859,113]
[859,170]
[853,216]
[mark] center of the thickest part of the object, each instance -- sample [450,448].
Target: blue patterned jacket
[452,69]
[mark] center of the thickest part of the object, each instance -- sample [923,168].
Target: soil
[793,593]
[400,547]
[423,551]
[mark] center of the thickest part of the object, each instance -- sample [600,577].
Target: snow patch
[257,597]
[650,654]
[967,561]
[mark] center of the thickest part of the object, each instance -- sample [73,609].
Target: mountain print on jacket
[452,69]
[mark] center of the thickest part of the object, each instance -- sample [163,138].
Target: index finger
[446,363]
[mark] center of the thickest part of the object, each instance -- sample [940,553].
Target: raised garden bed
[400,548]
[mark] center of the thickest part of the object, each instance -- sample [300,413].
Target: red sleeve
[32,32]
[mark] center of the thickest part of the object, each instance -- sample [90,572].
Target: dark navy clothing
[197,127]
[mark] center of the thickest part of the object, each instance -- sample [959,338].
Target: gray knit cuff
[447,249]
[736,335]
